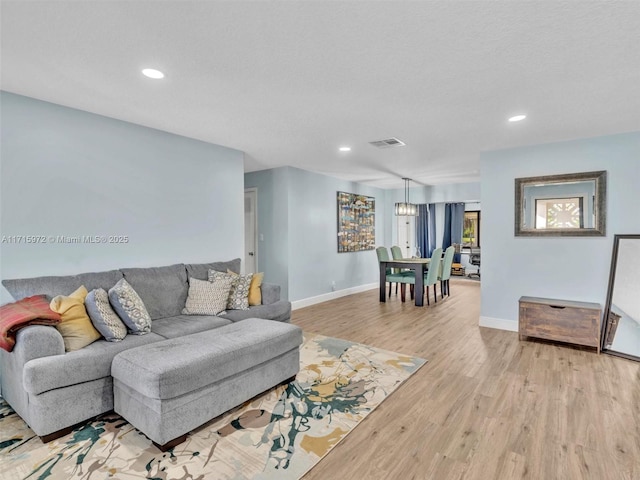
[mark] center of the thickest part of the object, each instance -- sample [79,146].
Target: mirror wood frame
[607,309]
[599,230]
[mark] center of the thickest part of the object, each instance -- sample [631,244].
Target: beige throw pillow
[207,298]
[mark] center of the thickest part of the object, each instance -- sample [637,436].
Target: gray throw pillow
[207,298]
[129,307]
[103,317]
[239,293]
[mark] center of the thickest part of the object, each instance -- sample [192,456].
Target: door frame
[254,190]
[408,224]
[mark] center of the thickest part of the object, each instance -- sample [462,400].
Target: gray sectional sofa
[53,390]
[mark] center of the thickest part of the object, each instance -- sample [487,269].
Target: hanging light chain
[406,208]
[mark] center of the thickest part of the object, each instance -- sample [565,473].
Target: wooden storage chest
[457,269]
[560,320]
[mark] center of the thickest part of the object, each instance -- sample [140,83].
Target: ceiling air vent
[387,143]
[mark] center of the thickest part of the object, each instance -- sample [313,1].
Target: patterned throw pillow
[129,307]
[76,328]
[103,317]
[239,294]
[207,298]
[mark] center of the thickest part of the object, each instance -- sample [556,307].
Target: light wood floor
[485,406]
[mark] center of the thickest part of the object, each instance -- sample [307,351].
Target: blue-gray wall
[297,217]
[297,223]
[315,262]
[565,268]
[69,172]
[273,224]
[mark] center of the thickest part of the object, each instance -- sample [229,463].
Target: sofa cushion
[162,289]
[201,270]
[76,328]
[130,308]
[280,311]
[270,293]
[172,327]
[207,298]
[181,365]
[106,321]
[89,363]
[60,285]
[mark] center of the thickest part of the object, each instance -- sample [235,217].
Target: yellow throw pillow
[76,328]
[255,294]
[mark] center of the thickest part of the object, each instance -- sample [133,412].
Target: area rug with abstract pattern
[280,434]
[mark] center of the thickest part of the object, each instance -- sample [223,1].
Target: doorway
[406,228]
[251,230]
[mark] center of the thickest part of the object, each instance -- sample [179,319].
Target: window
[559,213]
[471,229]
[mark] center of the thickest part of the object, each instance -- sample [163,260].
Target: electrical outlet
[333,285]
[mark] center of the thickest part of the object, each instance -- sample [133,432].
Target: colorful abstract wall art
[356,222]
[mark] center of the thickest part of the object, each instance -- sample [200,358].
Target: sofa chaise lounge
[54,390]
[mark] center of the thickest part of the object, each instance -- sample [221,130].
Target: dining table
[418,265]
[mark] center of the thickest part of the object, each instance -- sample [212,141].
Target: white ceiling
[289,82]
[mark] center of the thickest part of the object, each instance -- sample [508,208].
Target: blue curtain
[453,222]
[426,229]
[422,230]
[432,228]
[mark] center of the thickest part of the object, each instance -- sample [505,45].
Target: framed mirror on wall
[621,332]
[570,205]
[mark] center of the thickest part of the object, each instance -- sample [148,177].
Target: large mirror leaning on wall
[622,312]
[571,205]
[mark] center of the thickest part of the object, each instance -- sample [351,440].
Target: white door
[407,235]
[250,230]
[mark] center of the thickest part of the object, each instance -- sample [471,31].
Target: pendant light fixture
[406,208]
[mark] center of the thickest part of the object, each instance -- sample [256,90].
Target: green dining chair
[445,271]
[407,278]
[431,277]
[398,278]
[408,274]
[396,254]
[383,256]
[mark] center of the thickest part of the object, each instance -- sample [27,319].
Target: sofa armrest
[37,341]
[270,293]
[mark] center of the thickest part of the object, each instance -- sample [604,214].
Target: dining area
[419,273]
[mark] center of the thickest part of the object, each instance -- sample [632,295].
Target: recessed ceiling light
[152,73]
[345,149]
[517,118]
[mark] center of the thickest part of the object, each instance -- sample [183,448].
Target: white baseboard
[499,323]
[307,302]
